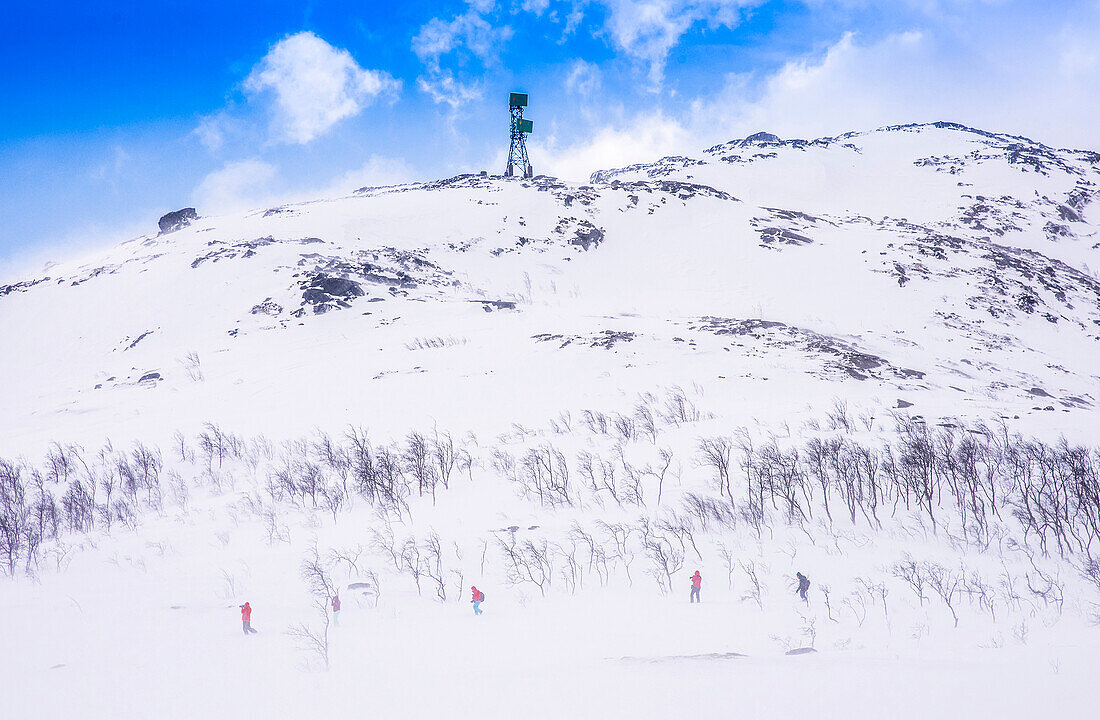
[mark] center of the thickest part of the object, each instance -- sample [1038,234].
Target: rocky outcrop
[177,220]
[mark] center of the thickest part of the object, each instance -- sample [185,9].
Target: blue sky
[115,113]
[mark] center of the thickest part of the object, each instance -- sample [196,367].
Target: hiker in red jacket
[246,618]
[477,598]
[696,585]
[336,609]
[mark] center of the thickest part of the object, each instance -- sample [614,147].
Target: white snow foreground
[851,357]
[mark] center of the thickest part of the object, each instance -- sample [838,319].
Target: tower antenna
[517,151]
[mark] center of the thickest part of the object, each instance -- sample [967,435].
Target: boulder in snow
[177,220]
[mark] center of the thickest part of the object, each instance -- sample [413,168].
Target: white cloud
[315,85]
[444,89]
[253,183]
[584,78]
[1039,84]
[537,7]
[211,131]
[239,185]
[1015,81]
[377,171]
[641,139]
[468,32]
[648,29]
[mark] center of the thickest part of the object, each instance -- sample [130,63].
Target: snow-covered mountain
[536,384]
[937,265]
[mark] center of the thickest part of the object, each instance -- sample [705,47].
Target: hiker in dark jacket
[336,609]
[803,586]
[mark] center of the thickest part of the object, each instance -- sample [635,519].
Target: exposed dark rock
[267,307]
[150,377]
[20,286]
[325,292]
[771,235]
[761,138]
[177,220]
[1055,231]
[903,404]
[843,357]
[664,166]
[682,190]
[587,235]
[1039,392]
[491,305]
[606,339]
[141,337]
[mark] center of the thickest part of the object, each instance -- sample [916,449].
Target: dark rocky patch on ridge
[491,305]
[177,220]
[22,286]
[663,167]
[839,354]
[267,307]
[606,339]
[325,292]
[587,235]
[785,227]
[761,138]
[139,338]
[681,190]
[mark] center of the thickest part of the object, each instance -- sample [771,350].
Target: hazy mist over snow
[803,296]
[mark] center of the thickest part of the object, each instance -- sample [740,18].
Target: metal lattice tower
[517,151]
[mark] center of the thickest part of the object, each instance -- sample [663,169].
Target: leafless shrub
[570,570]
[528,562]
[193,367]
[754,588]
[434,343]
[708,510]
[315,638]
[433,565]
[596,422]
[913,576]
[679,409]
[348,556]
[730,561]
[544,474]
[858,605]
[945,583]
[598,475]
[418,463]
[412,562]
[646,422]
[597,555]
[624,428]
[618,535]
[826,590]
[838,418]
[715,453]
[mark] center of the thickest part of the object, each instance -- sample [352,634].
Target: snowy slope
[956,258]
[578,343]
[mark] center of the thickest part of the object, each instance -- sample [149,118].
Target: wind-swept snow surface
[853,357]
